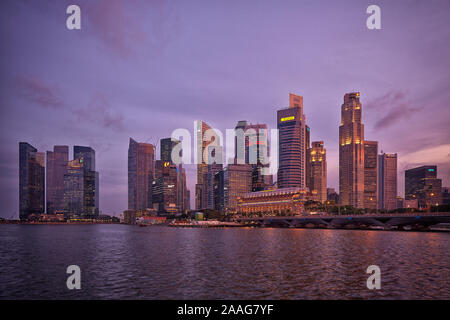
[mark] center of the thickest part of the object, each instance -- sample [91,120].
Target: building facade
[31,181]
[387,181]
[292,144]
[280,202]
[371,175]
[57,161]
[237,181]
[317,171]
[141,167]
[351,152]
[422,184]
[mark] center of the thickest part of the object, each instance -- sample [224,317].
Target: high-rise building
[167,145]
[237,181]
[422,184]
[81,185]
[56,169]
[308,160]
[371,174]
[332,196]
[292,144]
[252,147]
[387,181]
[141,168]
[351,152]
[88,155]
[31,181]
[318,170]
[165,188]
[202,164]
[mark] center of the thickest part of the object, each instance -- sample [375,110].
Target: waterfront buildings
[57,161]
[387,181]
[292,144]
[332,196]
[371,175]
[141,166]
[351,152]
[422,184]
[317,170]
[281,202]
[31,181]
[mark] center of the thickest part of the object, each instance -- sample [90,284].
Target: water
[128,262]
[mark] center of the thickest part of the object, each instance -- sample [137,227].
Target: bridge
[400,221]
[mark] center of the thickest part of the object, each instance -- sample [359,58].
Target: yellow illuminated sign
[287,118]
[166,164]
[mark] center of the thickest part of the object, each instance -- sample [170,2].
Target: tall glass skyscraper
[292,144]
[56,169]
[31,181]
[141,168]
[387,181]
[351,152]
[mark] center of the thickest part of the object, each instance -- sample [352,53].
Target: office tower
[56,169]
[188,200]
[387,181]
[422,184]
[318,170]
[88,155]
[308,160]
[445,195]
[167,145]
[74,188]
[31,181]
[252,147]
[351,152]
[371,174]
[292,145]
[141,168]
[209,184]
[165,188]
[237,181]
[219,186]
[202,164]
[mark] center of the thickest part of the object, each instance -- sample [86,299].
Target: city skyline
[50,108]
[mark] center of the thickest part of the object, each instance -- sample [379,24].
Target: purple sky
[144,68]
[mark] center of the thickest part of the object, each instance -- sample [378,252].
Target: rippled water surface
[128,262]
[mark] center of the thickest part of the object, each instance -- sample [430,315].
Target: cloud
[36,90]
[120,28]
[394,105]
[99,112]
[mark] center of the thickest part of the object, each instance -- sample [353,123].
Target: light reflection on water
[128,262]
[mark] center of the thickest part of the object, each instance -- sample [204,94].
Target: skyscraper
[292,144]
[81,185]
[167,145]
[421,183]
[141,167]
[165,188]
[318,170]
[56,169]
[31,181]
[237,181]
[88,155]
[351,152]
[387,181]
[371,174]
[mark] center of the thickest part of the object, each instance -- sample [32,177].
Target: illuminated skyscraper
[237,181]
[371,174]
[204,157]
[292,144]
[351,152]
[56,169]
[167,145]
[318,170]
[387,181]
[88,155]
[31,181]
[141,167]
[165,188]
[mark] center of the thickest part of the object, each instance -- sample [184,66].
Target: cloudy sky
[144,68]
